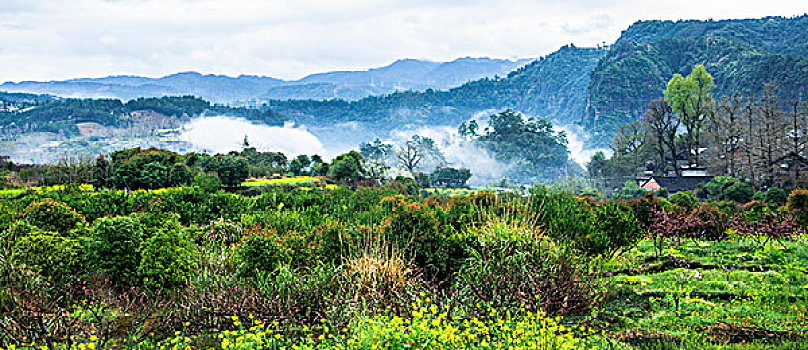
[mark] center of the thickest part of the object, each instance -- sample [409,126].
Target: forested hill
[553,86]
[775,34]
[741,55]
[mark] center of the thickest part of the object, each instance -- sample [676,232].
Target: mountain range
[602,88]
[596,88]
[405,74]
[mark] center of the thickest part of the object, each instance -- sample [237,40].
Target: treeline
[61,116]
[153,168]
[756,137]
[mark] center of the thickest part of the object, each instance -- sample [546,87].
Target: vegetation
[335,268]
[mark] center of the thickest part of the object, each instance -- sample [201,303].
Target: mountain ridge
[403,74]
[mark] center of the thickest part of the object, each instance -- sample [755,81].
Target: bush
[415,231]
[207,182]
[260,252]
[729,188]
[798,206]
[167,259]
[55,257]
[512,265]
[50,215]
[684,199]
[740,192]
[115,247]
[613,228]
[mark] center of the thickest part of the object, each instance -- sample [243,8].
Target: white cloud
[220,134]
[53,39]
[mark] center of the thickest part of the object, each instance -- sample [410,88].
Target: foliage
[613,229]
[798,205]
[260,252]
[347,168]
[207,182]
[449,177]
[168,259]
[57,258]
[684,199]
[115,247]
[50,215]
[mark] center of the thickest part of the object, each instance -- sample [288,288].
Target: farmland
[391,267]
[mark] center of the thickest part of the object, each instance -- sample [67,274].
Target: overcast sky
[42,40]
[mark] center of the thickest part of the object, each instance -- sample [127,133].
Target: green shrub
[167,259]
[614,229]
[415,230]
[684,199]
[776,195]
[115,247]
[729,188]
[740,192]
[260,252]
[207,182]
[512,265]
[55,257]
[50,215]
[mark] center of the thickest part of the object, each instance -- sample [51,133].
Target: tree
[102,171]
[768,148]
[597,169]
[662,125]
[797,136]
[450,177]
[419,149]
[726,134]
[630,152]
[376,151]
[232,171]
[692,100]
[347,168]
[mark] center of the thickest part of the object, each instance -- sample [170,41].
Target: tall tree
[770,136]
[662,125]
[691,98]
[797,136]
[726,133]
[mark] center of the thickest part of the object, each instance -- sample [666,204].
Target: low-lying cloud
[222,134]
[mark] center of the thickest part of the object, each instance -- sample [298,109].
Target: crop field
[387,268]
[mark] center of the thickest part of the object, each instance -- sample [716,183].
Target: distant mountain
[552,86]
[408,74]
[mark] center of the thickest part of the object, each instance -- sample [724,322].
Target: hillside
[741,55]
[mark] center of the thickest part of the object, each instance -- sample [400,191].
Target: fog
[222,134]
[576,144]
[459,153]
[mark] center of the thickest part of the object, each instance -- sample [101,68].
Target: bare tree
[662,125]
[795,155]
[409,155]
[726,134]
[770,135]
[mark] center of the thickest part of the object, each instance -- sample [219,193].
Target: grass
[716,292]
[466,191]
[297,181]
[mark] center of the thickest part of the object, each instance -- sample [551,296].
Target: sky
[58,39]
